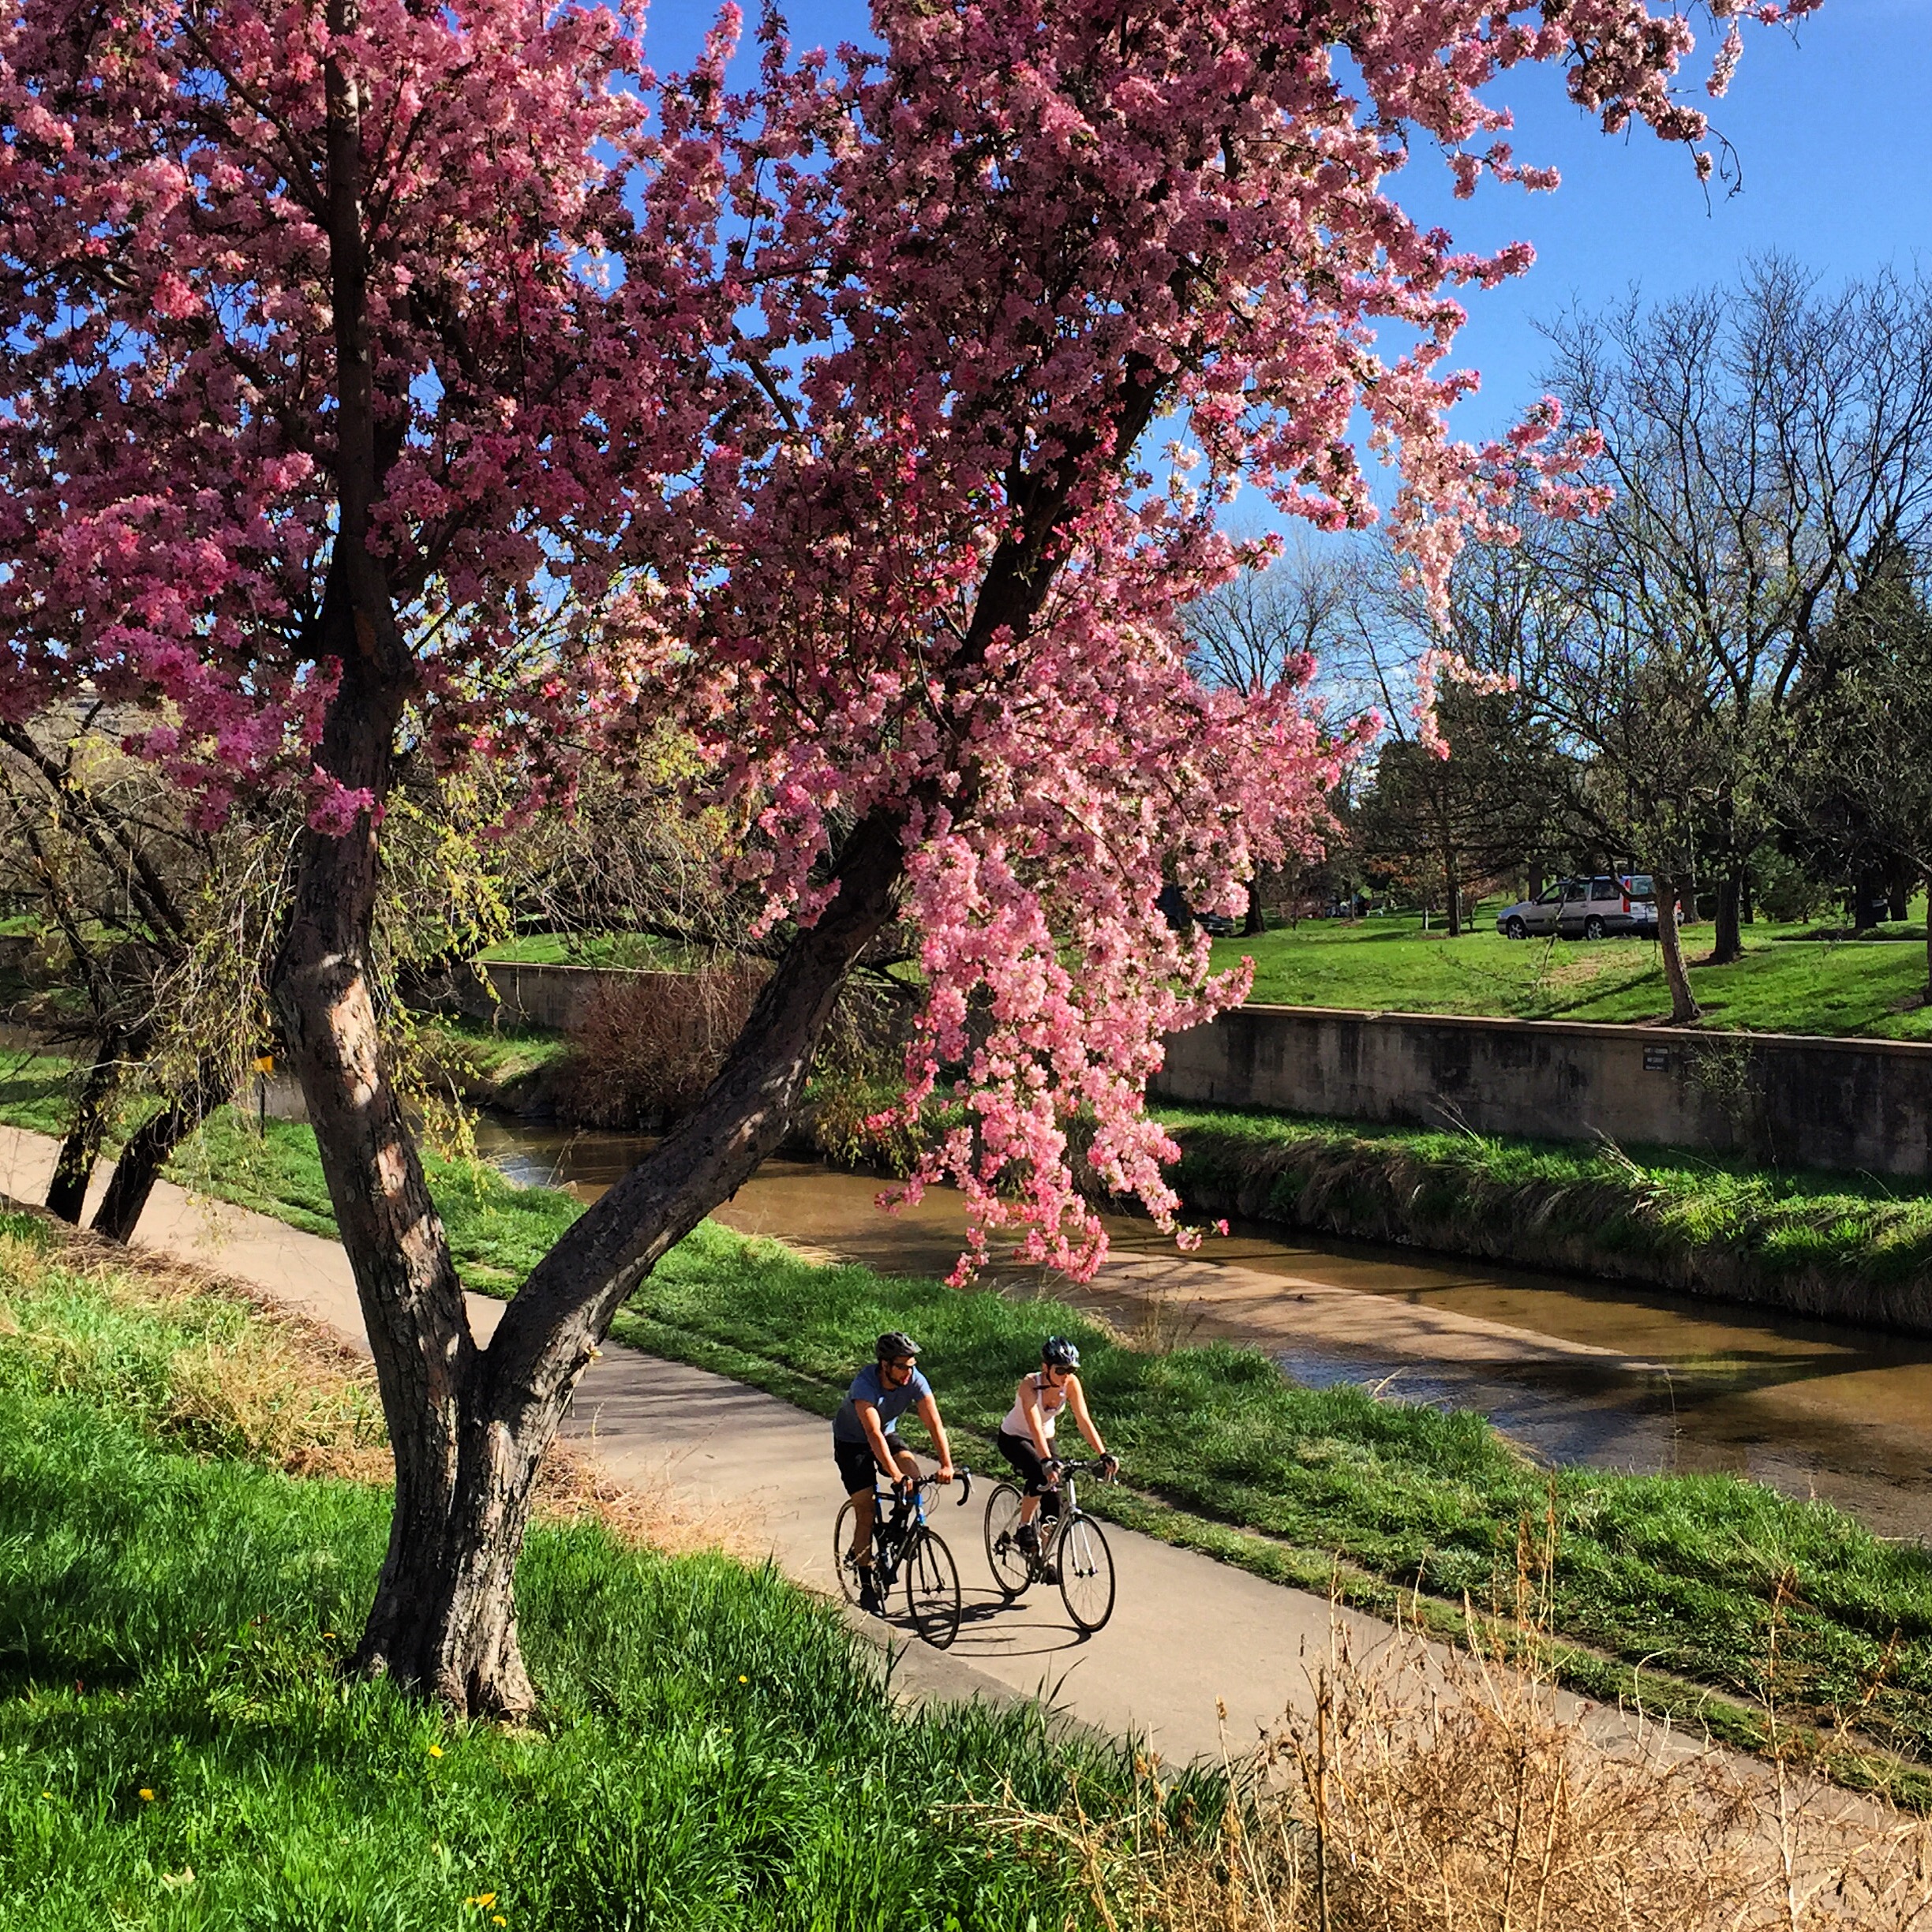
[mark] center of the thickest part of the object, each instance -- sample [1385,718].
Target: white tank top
[1052,1400]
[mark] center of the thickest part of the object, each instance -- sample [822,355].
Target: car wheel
[1593,927]
[1516,929]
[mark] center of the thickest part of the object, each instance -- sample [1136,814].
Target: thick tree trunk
[1726,942]
[1255,923]
[66,1194]
[1928,889]
[1898,894]
[1684,1009]
[1867,902]
[1452,880]
[147,1150]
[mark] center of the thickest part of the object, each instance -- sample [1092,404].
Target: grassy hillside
[1784,983]
[178,1749]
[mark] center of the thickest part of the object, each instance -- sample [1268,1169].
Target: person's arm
[929,1414]
[1076,1400]
[875,1437]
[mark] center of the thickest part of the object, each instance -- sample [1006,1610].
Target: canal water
[1648,1382]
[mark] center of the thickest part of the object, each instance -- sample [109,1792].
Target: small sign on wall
[1657,1059]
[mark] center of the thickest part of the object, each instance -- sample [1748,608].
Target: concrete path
[1189,1637]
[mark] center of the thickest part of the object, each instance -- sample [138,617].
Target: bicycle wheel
[1086,1573]
[842,1564]
[1011,1571]
[932,1590]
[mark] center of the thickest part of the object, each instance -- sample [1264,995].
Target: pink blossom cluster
[809,420]
[168,383]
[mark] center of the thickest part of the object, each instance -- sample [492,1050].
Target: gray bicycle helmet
[892,1345]
[1057,1352]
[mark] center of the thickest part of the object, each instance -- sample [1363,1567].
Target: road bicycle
[1071,1545]
[904,1544]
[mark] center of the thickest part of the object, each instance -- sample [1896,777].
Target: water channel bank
[1649,1382]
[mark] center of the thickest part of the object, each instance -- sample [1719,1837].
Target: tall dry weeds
[1419,1791]
[644,1048]
[280,1389]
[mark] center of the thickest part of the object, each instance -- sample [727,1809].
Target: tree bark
[66,1194]
[1256,921]
[1727,940]
[1928,888]
[1684,1009]
[147,1150]
[1898,894]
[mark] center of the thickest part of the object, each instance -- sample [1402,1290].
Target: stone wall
[1787,1098]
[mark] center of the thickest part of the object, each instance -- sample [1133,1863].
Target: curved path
[1199,1658]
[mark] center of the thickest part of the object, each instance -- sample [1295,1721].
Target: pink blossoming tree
[388,381]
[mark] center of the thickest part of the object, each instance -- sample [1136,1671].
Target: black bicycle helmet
[894,1344]
[1057,1352]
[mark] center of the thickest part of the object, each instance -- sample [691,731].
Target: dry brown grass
[1487,1803]
[259,1380]
[644,1049]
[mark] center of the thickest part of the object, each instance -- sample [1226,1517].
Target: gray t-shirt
[869,1385]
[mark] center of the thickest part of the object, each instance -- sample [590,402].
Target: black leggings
[1018,1451]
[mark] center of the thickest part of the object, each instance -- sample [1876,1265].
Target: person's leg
[861,1527]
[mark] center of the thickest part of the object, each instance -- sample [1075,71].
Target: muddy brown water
[1656,1383]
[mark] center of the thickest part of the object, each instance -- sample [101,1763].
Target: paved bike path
[1189,1636]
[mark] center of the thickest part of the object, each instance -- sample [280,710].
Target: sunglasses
[906,1366]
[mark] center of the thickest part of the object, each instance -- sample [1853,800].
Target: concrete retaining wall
[1797,1101]
[544,996]
[1784,1098]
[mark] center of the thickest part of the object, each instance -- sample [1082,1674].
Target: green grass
[1705,1576]
[642,952]
[1850,1246]
[1684,1573]
[177,1747]
[1784,983]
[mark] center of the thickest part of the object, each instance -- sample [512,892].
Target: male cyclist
[865,1435]
[1026,1436]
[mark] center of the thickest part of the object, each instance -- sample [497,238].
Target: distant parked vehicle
[1533,918]
[1595,908]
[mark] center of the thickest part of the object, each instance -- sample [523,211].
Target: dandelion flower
[744,1680]
[147,1796]
[435,1751]
[46,1794]
[486,1899]
[498,1919]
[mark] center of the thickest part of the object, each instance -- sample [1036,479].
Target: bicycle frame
[893,1535]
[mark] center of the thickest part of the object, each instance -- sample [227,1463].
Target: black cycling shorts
[858,1467]
[1018,1451]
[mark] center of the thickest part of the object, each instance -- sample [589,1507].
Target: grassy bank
[1716,1582]
[1849,1248]
[177,1748]
[1785,983]
[1704,1577]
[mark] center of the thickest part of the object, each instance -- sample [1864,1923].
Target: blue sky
[1832,131]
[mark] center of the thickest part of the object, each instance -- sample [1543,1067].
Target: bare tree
[160,928]
[1295,617]
[1758,439]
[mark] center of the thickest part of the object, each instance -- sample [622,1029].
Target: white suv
[1536,918]
[1593,908]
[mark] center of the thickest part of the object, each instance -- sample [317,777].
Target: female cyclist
[1026,1436]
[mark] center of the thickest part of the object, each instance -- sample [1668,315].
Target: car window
[1638,886]
[1605,889]
[1575,888]
[1553,896]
